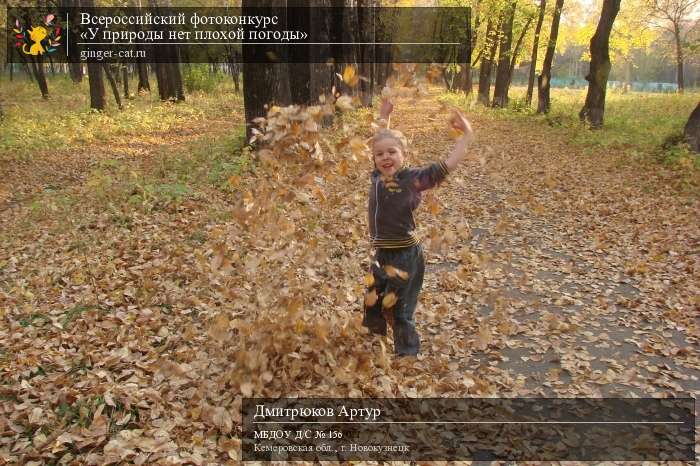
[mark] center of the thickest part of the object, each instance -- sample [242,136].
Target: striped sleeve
[429,176]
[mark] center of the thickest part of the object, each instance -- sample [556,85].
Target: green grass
[168,175]
[636,122]
[65,120]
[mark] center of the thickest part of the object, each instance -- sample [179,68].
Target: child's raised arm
[385,110]
[459,122]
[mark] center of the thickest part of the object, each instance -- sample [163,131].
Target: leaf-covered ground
[149,282]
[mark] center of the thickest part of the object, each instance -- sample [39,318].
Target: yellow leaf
[219,327]
[218,259]
[247,389]
[455,133]
[389,300]
[371,298]
[392,272]
[343,168]
[350,76]
[222,419]
[501,226]
[483,339]
[357,145]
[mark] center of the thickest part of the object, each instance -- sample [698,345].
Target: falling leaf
[350,76]
[483,338]
[218,329]
[371,298]
[389,300]
[392,272]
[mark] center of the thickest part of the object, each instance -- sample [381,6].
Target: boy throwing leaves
[397,268]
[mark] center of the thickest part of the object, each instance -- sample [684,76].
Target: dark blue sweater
[392,202]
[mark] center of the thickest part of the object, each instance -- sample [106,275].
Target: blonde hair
[386,133]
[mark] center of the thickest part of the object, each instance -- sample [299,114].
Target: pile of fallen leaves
[136,338]
[269,307]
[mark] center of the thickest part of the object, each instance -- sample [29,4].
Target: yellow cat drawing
[36,34]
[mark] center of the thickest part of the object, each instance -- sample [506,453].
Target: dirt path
[129,329]
[590,268]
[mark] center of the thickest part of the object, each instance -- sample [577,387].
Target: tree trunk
[27,69]
[168,75]
[75,66]
[235,70]
[366,53]
[97,86]
[516,51]
[448,77]
[113,84]
[466,78]
[500,89]
[628,76]
[164,91]
[594,107]
[692,129]
[486,61]
[466,72]
[76,72]
[125,78]
[679,58]
[533,57]
[321,73]
[175,75]
[261,81]
[543,80]
[38,67]
[298,67]
[143,84]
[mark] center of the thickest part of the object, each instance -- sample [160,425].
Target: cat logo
[38,40]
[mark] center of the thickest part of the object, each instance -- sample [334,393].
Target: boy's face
[388,156]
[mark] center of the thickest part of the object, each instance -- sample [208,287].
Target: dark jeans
[405,281]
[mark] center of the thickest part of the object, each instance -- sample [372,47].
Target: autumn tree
[97,86]
[75,67]
[112,83]
[518,48]
[594,107]
[263,83]
[500,90]
[463,80]
[141,68]
[535,48]
[631,34]
[125,79]
[466,79]
[168,74]
[488,54]
[36,64]
[674,16]
[543,80]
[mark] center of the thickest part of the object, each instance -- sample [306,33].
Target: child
[397,267]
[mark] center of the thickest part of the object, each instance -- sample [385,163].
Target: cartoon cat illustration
[36,34]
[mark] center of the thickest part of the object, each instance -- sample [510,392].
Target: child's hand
[459,122]
[386,108]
